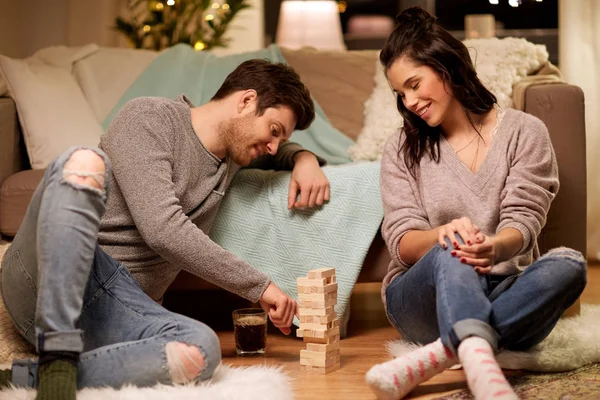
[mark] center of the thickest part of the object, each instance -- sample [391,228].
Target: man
[93,312]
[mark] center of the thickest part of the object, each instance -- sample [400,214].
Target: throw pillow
[107,73]
[53,111]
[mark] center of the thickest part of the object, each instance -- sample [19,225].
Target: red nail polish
[462,260]
[453,253]
[469,242]
[455,244]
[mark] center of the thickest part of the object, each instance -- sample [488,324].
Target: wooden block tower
[319,325]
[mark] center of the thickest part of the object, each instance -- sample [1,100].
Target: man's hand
[280,307]
[308,179]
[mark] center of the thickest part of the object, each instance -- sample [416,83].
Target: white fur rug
[251,383]
[500,64]
[573,343]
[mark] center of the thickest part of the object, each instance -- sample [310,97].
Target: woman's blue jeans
[439,297]
[63,293]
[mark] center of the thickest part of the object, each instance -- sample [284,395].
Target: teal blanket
[254,222]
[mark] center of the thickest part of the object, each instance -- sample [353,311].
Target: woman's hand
[480,255]
[488,250]
[463,226]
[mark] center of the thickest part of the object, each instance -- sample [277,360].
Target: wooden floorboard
[364,347]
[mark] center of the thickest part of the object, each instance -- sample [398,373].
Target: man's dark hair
[276,84]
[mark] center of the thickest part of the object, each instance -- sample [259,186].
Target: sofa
[342,82]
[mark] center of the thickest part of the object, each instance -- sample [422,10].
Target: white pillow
[382,119]
[105,75]
[53,111]
[500,64]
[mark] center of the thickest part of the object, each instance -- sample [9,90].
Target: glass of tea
[250,331]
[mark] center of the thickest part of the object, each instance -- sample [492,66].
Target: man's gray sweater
[166,189]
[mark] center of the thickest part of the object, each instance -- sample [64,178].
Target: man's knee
[185,362]
[87,168]
[191,362]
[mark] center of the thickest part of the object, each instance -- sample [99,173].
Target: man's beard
[237,136]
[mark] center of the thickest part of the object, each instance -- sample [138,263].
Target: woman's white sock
[396,378]
[484,376]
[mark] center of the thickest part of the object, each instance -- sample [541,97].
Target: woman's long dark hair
[420,38]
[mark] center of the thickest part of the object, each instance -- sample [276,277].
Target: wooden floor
[364,347]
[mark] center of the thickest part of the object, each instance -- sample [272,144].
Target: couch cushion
[341,81]
[45,93]
[15,195]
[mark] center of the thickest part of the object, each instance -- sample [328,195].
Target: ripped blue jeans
[439,297]
[64,293]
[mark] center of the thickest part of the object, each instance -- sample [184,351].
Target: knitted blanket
[255,224]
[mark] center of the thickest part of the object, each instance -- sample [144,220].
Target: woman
[466,188]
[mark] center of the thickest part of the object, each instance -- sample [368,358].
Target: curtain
[579,59]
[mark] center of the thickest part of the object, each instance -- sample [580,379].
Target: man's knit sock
[5,378]
[396,378]
[484,376]
[57,376]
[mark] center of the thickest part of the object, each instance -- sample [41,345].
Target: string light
[215,5]
[159,6]
[170,2]
[209,17]
[199,45]
[225,6]
[342,6]
[512,3]
[146,28]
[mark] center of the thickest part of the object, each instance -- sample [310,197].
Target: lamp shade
[480,26]
[310,23]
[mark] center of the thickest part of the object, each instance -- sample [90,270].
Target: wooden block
[317,303]
[318,296]
[319,355]
[318,282]
[318,319]
[320,334]
[321,273]
[322,348]
[323,311]
[332,287]
[319,326]
[320,362]
[328,340]
[320,370]
[314,327]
